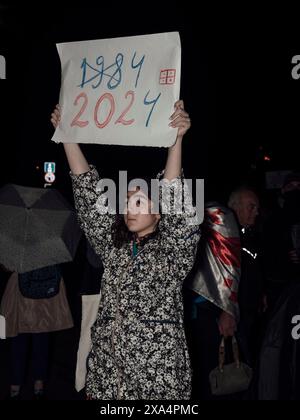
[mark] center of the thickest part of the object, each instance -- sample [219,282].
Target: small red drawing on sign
[167,77]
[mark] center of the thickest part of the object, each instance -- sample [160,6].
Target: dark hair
[120,233]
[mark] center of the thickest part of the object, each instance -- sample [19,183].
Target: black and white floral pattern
[139,348]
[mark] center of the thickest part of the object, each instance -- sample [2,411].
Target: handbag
[42,283]
[232,377]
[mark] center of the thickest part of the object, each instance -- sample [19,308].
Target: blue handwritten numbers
[114,79]
[153,103]
[139,66]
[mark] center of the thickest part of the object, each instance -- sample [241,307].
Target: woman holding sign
[138,346]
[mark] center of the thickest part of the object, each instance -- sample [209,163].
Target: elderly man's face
[248,208]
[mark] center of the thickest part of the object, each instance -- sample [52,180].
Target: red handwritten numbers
[121,120]
[111,112]
[108,97]
[81,111]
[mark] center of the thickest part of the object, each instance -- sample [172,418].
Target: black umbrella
[38,227]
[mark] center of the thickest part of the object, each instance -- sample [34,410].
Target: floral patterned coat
[139,348]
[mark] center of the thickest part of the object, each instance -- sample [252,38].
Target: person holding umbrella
[138,345]
[33,304]
[38,232]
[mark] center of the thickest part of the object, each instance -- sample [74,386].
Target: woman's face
[138,217]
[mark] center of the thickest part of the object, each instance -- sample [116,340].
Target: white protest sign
[120,90]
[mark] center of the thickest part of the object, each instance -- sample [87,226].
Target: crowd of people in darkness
[156,296]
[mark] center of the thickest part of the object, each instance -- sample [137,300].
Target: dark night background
[236,83]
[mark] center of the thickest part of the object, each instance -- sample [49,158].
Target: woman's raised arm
[179,119]
[76,159]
